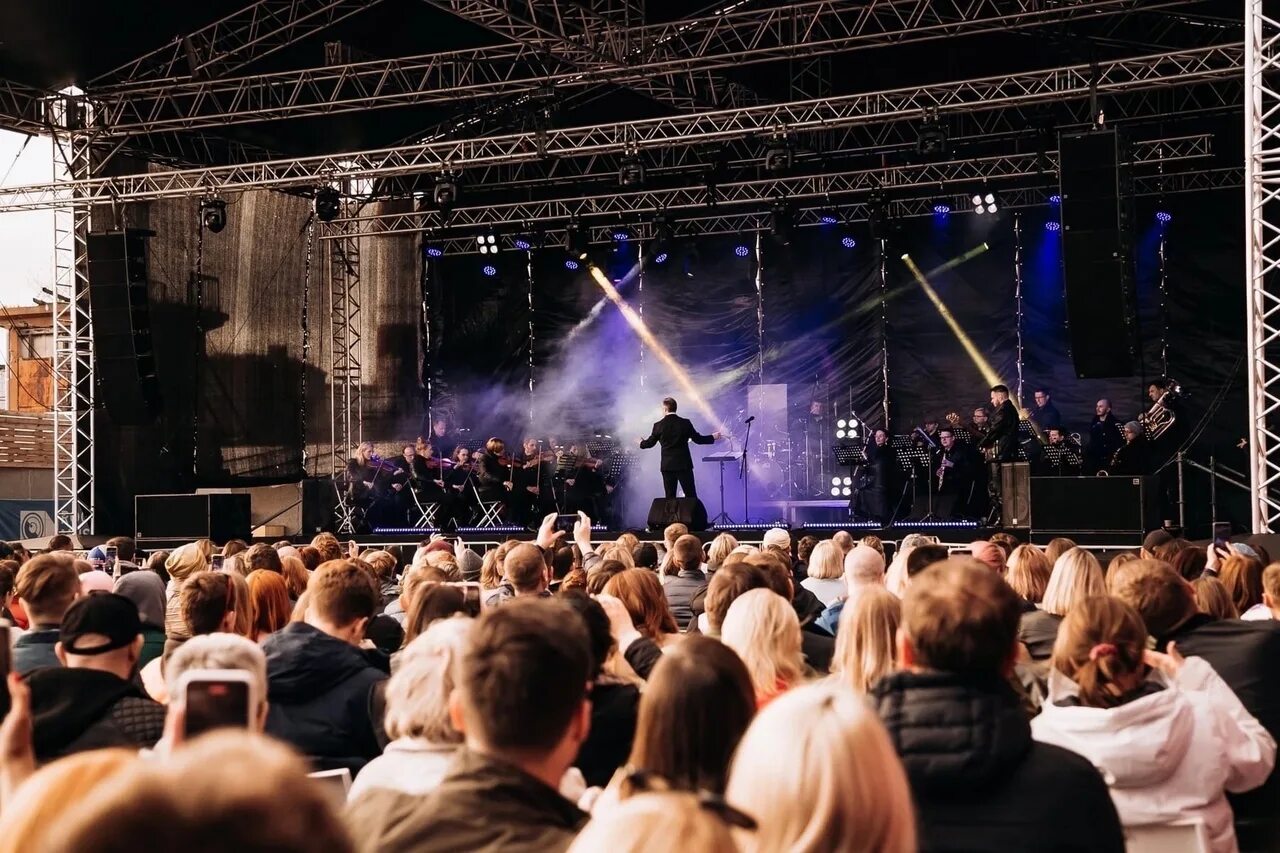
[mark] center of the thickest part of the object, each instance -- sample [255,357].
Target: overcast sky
[26,239]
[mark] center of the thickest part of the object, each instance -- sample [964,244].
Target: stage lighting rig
[444,194]
[781,222]
[488,244]
[631,172]
[847,429]
[779,156]
[576,240]
[841,487]
[985,202]
[328,204]
[932,138]
[213,214]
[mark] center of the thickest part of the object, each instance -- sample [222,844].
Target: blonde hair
[826,561]
[1028,571]
[418,692]
[761,626]
[186,560]
[1076,576]
[721,547]
[844,788]
[1100,644]
[41,803]
[246,613]
[865,643]
[620,553]
[648,823]
[1213,599]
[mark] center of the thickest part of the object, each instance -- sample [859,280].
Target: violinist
[586,488]
[417,478]
[492,475]
[531,492]
[369,481]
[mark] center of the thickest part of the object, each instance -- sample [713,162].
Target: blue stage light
[848,242]
[661,259]
[741,251]
[829,219]
[1164,217]
[522,244]
[434,252]
[490,271]
[1052,226]
[1055,199]
[621,236]
[571,264]
[942,208]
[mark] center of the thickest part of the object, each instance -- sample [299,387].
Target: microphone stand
[928,454]
[745,475]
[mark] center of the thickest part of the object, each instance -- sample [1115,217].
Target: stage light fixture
[847,428]
[932,141]
[488,244]
[213,214]
[445,193]
[835,481]
[1164,217]
[1052,225]
[778,157]
[328,204]
[576,240]
[835,491]
[434,252]
[848,242]
[490,271]
[1055,199]
[741,251]
[661,258]
[621,235]
[522,243]
[781,223]
[570,264]
[941,209]
[829,219]
[631,172]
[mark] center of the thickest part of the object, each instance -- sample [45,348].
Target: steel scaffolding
[345,375]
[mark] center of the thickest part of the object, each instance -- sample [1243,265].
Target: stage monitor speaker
[319,500]
[187,517]
[123,356]
[1096,253]
[687,511]
[1015,494]
[1069,505]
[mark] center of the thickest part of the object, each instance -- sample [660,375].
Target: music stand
[851,456]
[722,459]
[912,457]
[1062,459]
[1026,435]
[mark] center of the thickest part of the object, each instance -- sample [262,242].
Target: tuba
[1160,418]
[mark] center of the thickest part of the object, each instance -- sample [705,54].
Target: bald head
[526,569]
[863,565]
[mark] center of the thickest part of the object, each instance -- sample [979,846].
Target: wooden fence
[26,440]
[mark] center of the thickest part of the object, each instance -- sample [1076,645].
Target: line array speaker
[123,354]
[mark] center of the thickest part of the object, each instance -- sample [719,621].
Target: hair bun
[1102,650]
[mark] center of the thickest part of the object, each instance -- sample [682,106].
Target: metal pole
[529,276]
[760,307]
[1182,499]
[1255,62]
[1213,489]
[1017,291]
[884,334]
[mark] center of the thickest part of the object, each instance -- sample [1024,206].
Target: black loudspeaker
[123,356]
[186,517]
[319,500]
[1071,505]
[1096,253]
[687,511]
[1015,494]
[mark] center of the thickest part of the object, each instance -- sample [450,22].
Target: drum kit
[782,467]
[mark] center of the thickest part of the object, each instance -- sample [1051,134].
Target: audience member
[219,651]
[46,586]
[1168,734]
[269,597]
[721,547]
[765,633]
[979,781]
[825,573]
[90,702]
[1006,542]
[614,701]
[684,578]
[295,576]
[844,541]
[641,593]
[1242,576]
[1270,589]
[865,645]
[776,537]
[654,822]
[40,806]
[895,578]
[183,563]
[96,581]
[924,556]
[244,612]
[328,546]
[431,603]
[599,575]
[1076,576]
[521,703]
[804,552]
[1242,653]
[1119,560]
[226,790]
[646,555]
[422,736]
[58,543]
[1190,562]
[1213,599]
[863,567]
[871,541]
[235,547]
[319,681]
[524,574]
[146,591]
[841,787]
[725,587]
[1154,539]
[155,564]
[1056,548]
[263,557]
[1028,574]
[695,708]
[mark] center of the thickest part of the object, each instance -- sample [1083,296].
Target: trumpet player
[1133,458]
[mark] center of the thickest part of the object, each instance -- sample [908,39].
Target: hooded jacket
[76,709]
[1169,754]
[979,781]
[319,693]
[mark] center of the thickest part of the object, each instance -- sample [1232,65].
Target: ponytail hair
[1100,643]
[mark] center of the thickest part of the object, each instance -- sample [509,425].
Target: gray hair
[217,651]
[418,692]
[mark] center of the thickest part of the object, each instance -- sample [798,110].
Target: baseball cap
[100,613]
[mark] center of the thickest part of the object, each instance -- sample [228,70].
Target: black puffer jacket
[319,691]
[979,781]
[74,710]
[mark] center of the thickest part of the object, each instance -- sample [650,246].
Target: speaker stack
[1096,253]
[123,354]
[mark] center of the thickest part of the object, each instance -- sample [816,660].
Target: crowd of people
[562,694]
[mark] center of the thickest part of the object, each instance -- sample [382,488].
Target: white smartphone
[217,698]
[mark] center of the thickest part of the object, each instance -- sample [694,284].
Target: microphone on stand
[750,419]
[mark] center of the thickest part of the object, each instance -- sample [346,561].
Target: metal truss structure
[774,121]
[1262,248]
[833,186]
[346,379]
[73,368]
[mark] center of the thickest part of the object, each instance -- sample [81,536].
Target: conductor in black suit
[674,434]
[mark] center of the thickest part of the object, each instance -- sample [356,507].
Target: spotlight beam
[637,324]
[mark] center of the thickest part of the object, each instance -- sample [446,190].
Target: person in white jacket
[1168,735]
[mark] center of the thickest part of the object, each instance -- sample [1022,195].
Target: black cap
[105,614]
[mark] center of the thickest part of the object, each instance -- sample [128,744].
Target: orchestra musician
[368,484]
[531,495]
[418,475]
[879,481]
[1133,458]
[492,475]
[1065,457]
[1105,438]
[1000,445]
[976,428]
[674,434]
[929,438]
[960,479]
[586,488]
[1046,415]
